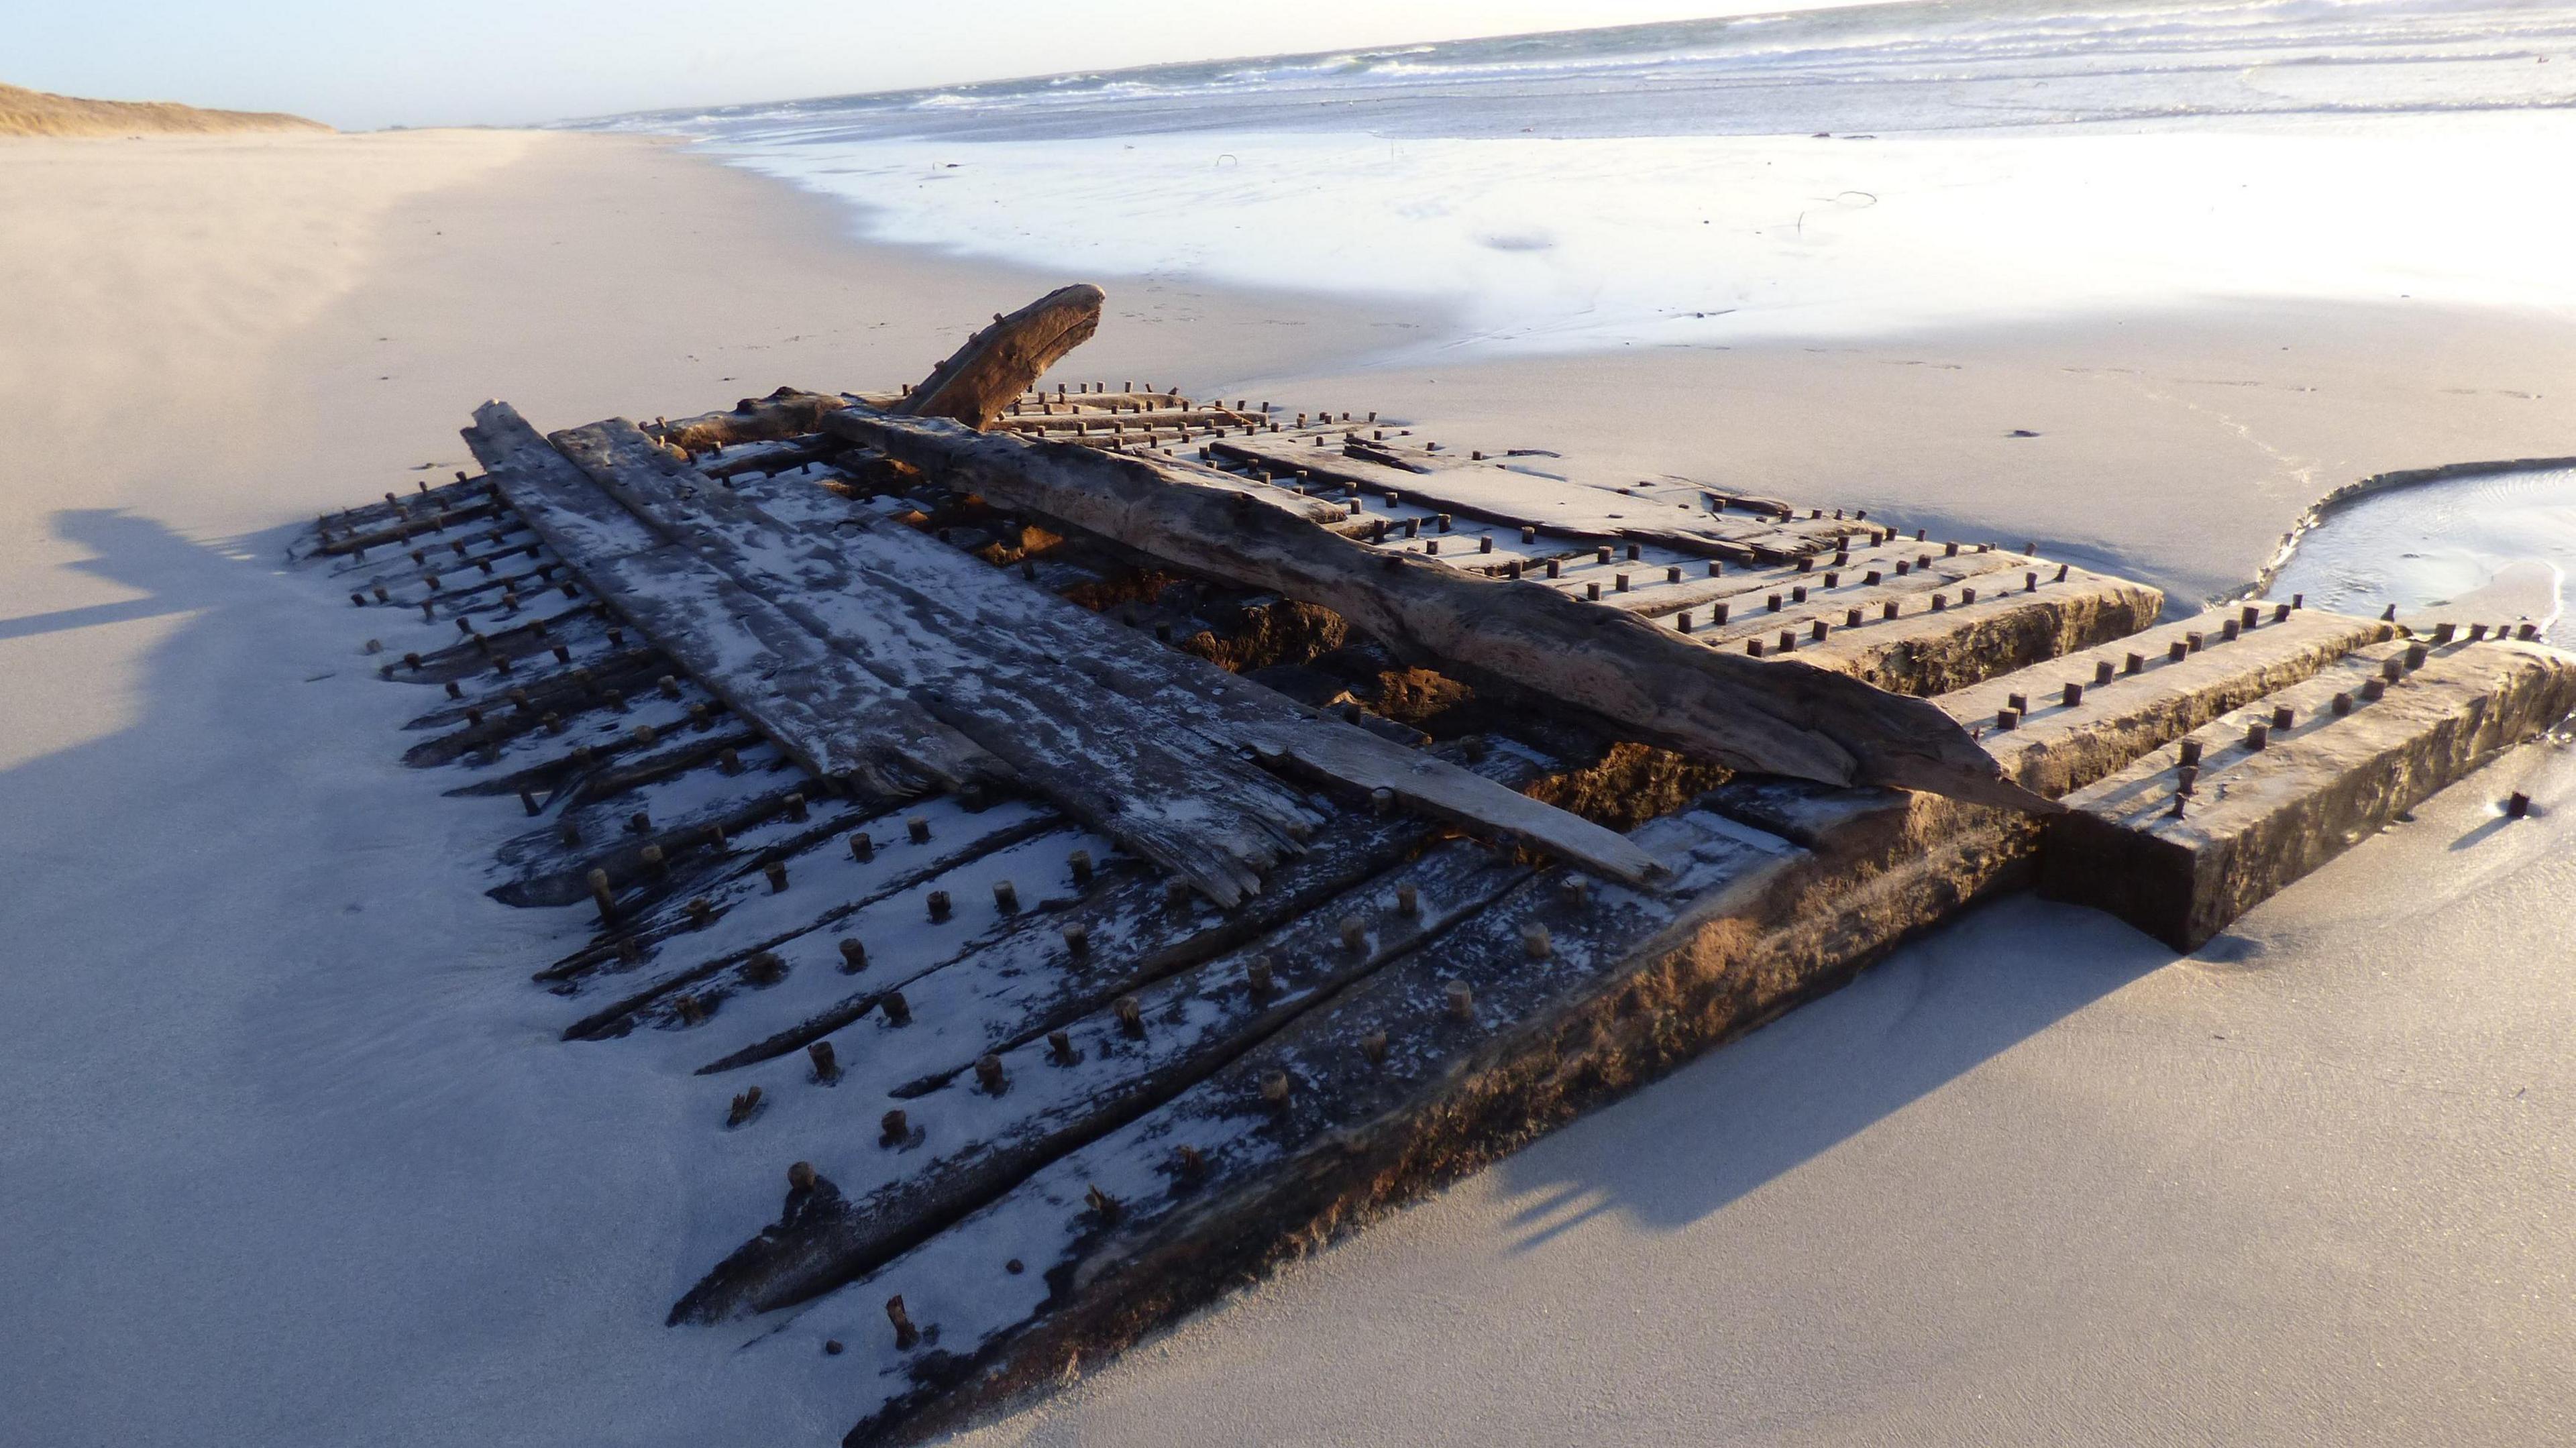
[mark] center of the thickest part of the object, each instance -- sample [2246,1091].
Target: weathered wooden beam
[978,628]
[1745,713]
[827,713]
[2273,791]
[1000,362]
[788,412]
[2016,621]
[870,590]
[2054,746]
[1492,490]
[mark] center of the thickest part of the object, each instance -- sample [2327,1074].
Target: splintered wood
[1098,854]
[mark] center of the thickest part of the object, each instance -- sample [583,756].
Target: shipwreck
[1102,842]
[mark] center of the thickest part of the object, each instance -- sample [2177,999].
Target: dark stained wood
[1095,685]
[2262,815]
[1001,361]
[871,589]
[788,412]
[1104,1076]
[1745,713]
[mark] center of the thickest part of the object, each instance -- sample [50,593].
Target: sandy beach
[2034,1180]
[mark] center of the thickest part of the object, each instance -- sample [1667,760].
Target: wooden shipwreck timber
[1102,842]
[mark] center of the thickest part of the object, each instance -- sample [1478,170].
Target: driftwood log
[1002,361]
[788,412]
[1772,717]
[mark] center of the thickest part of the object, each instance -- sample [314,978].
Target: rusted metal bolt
[989,1074]
[1080,862]
[2190,752]
[918,827]
[862,848]
[1373,1046]
[801,1176]
[906,1336]
[776,870]
[827,1066]
[1535,942]
[745,1104]
[2282,717]
[2517,805]
[854,957]
[1189,1163]
[1408,900]
[2258,735]
[1354,933]
[1006,897]
[2073,695]
[795,808]
[764,968]
[939,908]
[1130,1013]
[1259,978]
[701,911]
[893,1129]
[1274,1088]
[898,1011]
[1060,1048]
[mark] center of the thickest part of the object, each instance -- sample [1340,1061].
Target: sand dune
[36,113]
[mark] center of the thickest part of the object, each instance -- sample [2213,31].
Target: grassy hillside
[34,113]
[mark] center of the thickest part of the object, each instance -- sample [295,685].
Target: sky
[363,64]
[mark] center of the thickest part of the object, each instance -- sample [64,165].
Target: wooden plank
[1575,510]
[870,589]
[2054,746]
[2268,808]
[828,714]
[1655,684]
[2004,629]
[1694,510]
[787,412]
[993,624]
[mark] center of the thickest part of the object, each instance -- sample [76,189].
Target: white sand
[294,1157]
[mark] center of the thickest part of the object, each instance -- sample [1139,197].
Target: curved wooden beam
[1005,359]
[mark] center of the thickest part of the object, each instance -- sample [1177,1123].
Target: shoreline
[298,1131]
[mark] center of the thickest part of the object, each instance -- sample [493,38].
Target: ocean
[1703,183]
